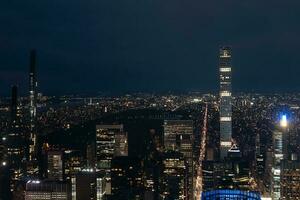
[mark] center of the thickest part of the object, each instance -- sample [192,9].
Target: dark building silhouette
[88,185]
[126,178]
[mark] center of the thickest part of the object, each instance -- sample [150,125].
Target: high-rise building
[107,148]
[178,136]
[121,144]
[278,156]
[290,180]
[55,165]
[73,163]
[106,145]
[126,178]
[91,155]
[174,178]
[32,105]
[88,185]
[225,100]
[47,190]
[173,129]
[285,172]
[15,141]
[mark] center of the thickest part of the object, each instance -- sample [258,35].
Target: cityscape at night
[149,100]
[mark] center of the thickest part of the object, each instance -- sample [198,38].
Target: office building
[55,165]
[88,185]
[278,156]
[174,178]
[47,190]
[126,178]
[173,129]
[290,180]
[178,136]
[15,142]
[225,65]
[91,155]
[107,148]
[106,145]
[73,163]
[121,144]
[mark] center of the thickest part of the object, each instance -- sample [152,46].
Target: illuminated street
[198,189]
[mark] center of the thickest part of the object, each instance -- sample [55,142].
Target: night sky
[88,46]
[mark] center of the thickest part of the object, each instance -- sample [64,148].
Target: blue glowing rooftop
[230,194]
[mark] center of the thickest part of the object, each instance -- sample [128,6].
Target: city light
[283,121]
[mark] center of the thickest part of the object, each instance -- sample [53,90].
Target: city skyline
[149,100]
[120,49]
[193,146]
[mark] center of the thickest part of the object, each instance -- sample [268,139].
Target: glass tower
[225,100]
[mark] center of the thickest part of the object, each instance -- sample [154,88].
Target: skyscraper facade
[225,100]
[15,141]
[88,184]
[276,168]
[106,146]
[174,178]
[107,149]
[55,165]
[178,136]
[47,190]
[32,104]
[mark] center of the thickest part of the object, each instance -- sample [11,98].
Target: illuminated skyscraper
[225,100]
[173,181]
[106,145]
[32,104]
[178,136]
[279,154]
[109,144]
[15,141]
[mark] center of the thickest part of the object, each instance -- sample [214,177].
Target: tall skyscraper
[32,104]
[15,141]
[225,101]
[178,136]
[279,155]
[174,179]
[106,146]
[107,149]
